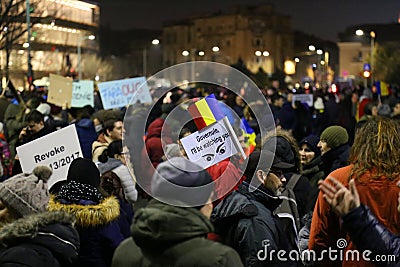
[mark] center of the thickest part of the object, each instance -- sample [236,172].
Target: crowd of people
[318,185]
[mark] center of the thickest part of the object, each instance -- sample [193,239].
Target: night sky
[324,18]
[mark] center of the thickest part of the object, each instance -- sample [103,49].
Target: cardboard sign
[60,90]
[82,94]
[304,98]
[212,144]
[120,93]
[56,150]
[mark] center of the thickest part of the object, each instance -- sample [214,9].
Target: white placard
[212,144]
[119,93]
[82,94]
[304,98]
[56,150]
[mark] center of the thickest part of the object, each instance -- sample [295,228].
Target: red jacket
[227,178]
[380,195]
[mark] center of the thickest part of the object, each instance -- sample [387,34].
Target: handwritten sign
[56,150]
[82,94]
[212,144]
[120,93]
[60,90]
[304,98]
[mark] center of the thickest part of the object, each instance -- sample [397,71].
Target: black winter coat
[245,221]
[41,240]
[335,158]
[368,234]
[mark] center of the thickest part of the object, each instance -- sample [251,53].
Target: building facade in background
[58,27]
[258,36]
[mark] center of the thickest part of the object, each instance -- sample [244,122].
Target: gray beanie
[181,182]
[27,193]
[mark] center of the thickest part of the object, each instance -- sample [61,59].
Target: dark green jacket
[165,235]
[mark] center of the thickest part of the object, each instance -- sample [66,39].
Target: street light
[80,40]
[360,32]
[153,42]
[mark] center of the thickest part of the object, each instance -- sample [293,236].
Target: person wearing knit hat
[309,149]
[176,222]
[30,235]
[332,137]
[311,161]
[181,182]
[96,215]
[334,147]
[26,194]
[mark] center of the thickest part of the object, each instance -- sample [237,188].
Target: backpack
[288,210]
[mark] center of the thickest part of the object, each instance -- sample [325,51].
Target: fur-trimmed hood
[89,215]
[51,230]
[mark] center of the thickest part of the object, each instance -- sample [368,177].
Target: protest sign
[82,94]
[60,90]
[56,150]
[304,98]
[120,93]
[212,144]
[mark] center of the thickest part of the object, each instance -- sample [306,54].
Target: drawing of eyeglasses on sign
[221,149]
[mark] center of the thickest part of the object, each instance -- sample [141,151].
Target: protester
[49,120]
[364,229]
[375,167]
[172,235]
[96,216]
[36,129]
[245,220]
[334,148]
[84,128]
[112,131]
[30,236]
[116,180]
[310,159]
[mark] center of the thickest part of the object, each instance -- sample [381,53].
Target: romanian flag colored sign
[382,88]
[206,111]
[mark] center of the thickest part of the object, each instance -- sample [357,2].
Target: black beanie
[312,142]
[84,171]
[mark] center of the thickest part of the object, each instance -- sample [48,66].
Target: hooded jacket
[86,135]
[114,169]
[164,235]
[122,171]
[245,221]
[98,229]
[45,239]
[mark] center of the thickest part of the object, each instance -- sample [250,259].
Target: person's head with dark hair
[184,132]
[33,102]
[35,121]
[112,128]
[114,150]
[277,100]
[371,108]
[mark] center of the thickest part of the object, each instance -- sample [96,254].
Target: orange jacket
[380,195]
